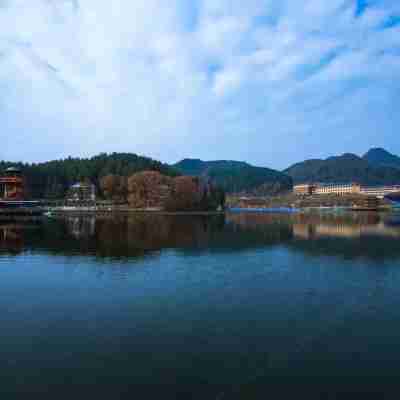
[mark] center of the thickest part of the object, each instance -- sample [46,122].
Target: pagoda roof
[13,170]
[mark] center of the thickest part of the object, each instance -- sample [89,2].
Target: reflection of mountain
[128,237]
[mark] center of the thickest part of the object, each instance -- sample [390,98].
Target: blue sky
[271,82]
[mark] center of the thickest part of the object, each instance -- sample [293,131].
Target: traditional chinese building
[12,185]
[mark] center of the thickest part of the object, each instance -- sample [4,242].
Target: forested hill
[345,168]
[382,158]
[237,177]
[52,179]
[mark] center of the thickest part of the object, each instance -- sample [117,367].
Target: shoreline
[127,211]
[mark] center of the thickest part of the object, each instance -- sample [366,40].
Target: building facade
[338,189]
[305,189]
[81,193]
[344,189]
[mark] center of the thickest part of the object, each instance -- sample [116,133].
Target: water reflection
[12,238]
[370,235]
[240,304]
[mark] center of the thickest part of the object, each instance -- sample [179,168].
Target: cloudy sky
[267,81]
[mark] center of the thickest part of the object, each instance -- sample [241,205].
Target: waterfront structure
[12,185]
[341,189]
[338,189]
[327,188]
[81,192]
[305,189]
[368,203]
[380,191]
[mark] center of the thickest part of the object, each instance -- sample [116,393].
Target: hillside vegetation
[237,177]
[52,179]
[382,158]
[345,168]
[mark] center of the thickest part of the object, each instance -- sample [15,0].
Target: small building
[12,185]
[81,193]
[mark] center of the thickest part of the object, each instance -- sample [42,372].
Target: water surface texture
[237,307]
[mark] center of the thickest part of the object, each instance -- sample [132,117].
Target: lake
[241,306]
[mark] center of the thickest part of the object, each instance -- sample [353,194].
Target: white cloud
[224,78]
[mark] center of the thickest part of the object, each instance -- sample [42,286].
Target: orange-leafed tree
[186,194]
[114,187]
[148,189]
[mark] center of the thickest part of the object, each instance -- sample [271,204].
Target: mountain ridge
[237,176]
[347,167]
[381,157]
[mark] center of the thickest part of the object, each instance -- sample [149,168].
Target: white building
[337,188]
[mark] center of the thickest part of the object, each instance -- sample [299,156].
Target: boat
[393,197]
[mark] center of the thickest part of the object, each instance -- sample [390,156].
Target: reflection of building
[303,231]
[81,227]
[310,231]
[81,193]
[340,230]
[12,185]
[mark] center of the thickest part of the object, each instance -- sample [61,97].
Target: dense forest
[52,179]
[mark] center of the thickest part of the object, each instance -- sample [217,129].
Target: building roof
[13,170]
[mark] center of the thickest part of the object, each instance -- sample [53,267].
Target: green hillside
[237,177]
[345,168]
[382,158]
[52,179]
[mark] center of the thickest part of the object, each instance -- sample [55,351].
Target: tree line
[51,180]
[151,189]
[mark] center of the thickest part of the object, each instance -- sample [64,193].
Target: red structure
[12,185]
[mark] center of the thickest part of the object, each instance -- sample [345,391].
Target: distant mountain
[237,176]
[345,168]
[381,157]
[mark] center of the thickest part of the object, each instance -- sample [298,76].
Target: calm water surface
[235,307]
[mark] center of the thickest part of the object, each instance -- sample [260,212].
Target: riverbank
[289,200]
[283,203]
